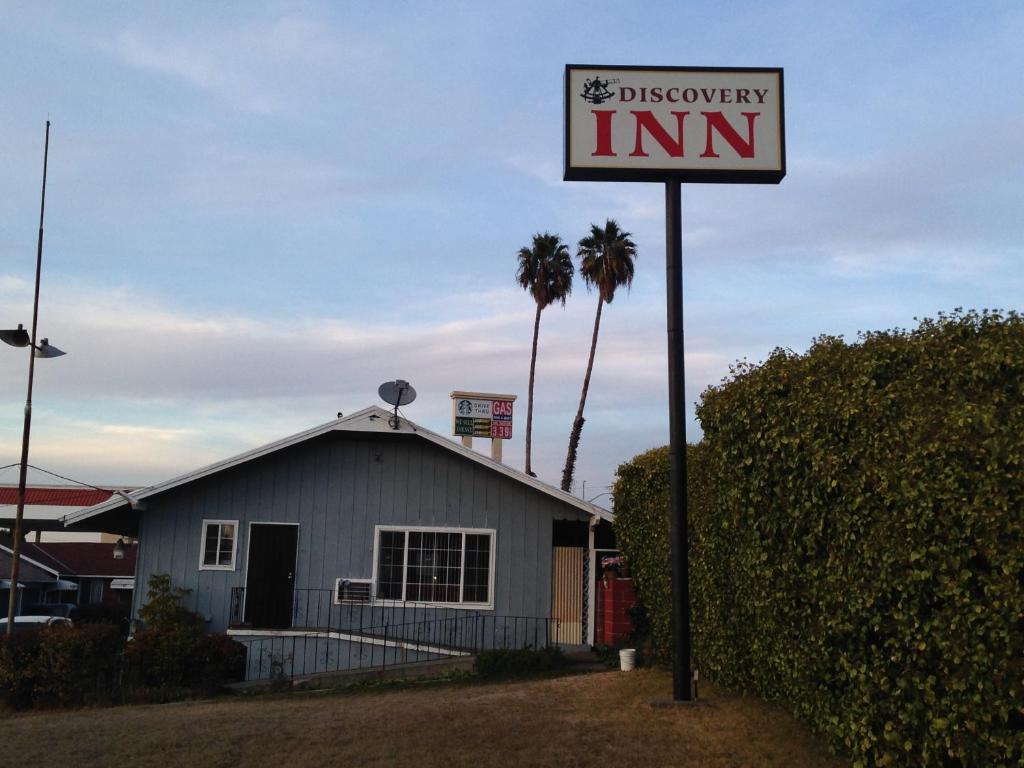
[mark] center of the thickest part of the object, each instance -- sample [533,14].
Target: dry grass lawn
[583,720]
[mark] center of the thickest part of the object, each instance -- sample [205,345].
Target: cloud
[643,203]
[137,432]
[901,211]
[939,204]
[188,389]
[13,286]
[304,206]
[258,66]
[197,66]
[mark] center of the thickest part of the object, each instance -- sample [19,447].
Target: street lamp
[44,349]
[16,338]
[20,338]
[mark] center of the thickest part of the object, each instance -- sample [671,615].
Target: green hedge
[641,531]
[169,663]
[60,666]
[857,524]
[93,664]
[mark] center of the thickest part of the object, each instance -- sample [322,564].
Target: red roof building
[55,496]
[78,558]
[45,509]
[84,573]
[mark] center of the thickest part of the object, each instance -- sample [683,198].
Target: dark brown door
[270,578]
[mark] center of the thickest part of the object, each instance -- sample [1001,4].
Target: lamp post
[20,338]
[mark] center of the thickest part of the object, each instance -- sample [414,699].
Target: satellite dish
[396,393]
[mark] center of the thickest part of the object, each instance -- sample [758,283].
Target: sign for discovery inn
[674,123]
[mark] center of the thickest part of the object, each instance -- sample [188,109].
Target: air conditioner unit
[352,591]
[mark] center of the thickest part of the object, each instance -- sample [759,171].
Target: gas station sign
[476,414]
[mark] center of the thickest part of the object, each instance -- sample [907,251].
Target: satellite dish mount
[396,393]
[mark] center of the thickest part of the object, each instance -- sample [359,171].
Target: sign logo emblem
[465,408]
[596,91]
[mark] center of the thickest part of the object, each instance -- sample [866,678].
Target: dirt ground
[597,719]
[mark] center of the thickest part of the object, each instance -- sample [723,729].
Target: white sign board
[477,414]
[674,123]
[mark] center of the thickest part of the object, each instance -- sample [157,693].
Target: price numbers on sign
[501,419]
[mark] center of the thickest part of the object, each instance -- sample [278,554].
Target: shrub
[18,654]
[164,608]
[105,613]
[213,661]
[156,657]
[518,661]
[641,531]
[60,666]
[172,655]
[857,533]
[91,664]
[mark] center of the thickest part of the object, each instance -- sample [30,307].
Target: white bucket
[627,659]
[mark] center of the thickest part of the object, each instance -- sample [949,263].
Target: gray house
[362,536]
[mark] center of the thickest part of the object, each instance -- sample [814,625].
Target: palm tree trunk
[529,398]
[577,425]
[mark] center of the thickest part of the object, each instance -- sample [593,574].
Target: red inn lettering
[604,132]
[717,121]
[650,122]
[646,121]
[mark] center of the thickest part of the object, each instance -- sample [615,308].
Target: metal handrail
[348,638]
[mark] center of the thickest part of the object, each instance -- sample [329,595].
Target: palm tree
[606,261]
[545,271]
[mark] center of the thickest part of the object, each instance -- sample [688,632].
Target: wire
[411,425]
[69,479]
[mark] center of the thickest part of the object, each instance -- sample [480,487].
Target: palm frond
[545,270]
[606,259]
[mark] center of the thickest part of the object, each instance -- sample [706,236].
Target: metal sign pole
[682,674]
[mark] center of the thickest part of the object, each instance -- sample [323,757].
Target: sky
[258,212]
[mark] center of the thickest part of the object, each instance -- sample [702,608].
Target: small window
[219,543]
[90,591]
[95,591]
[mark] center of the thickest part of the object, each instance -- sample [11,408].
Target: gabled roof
[29,569]
[369,420]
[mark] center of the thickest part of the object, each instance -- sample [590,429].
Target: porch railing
[328,637]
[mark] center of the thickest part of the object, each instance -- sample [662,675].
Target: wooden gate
[567,594]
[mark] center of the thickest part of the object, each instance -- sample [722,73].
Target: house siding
[338,487]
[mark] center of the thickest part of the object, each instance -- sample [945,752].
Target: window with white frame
[451,566]
[220,541]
